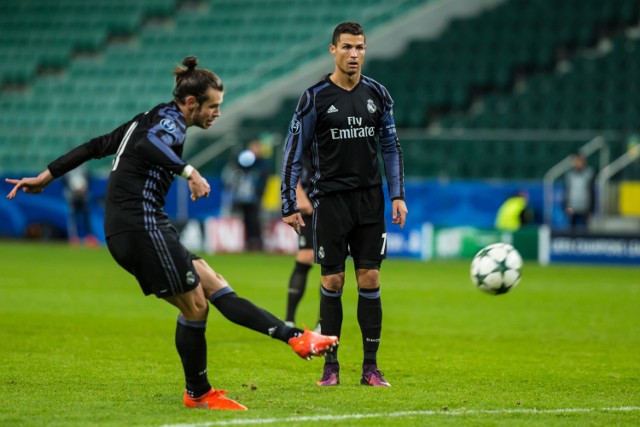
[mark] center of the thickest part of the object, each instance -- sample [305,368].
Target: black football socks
[370,320]
[192,348]
[245,313]
[331,318]
[297,285]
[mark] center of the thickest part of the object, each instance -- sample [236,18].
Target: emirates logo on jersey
[355,130]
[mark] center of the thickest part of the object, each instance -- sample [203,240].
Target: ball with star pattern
[496,269]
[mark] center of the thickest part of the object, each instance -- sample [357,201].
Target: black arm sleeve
[95,148]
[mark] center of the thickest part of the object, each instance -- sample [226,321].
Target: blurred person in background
[514,212]
[76,193]
[345,119]
[579,200]
[148,155]
[246,178]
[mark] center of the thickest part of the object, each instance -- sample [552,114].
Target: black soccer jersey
[148,152]
[343,130]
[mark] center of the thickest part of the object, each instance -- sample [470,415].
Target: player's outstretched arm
[30,185]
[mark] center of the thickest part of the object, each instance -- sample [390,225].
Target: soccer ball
[496,268]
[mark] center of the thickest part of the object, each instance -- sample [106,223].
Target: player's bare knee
[210,280]
[196,309]
[333,282]
[368,279]
[192,305]
[305,256]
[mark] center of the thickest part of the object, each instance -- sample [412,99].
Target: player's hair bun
[192,81]
[190,62]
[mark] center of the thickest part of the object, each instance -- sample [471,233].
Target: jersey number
[384,243]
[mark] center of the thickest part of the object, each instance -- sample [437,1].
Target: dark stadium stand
[490,51]
[499,70]
[74,69]
[595,93]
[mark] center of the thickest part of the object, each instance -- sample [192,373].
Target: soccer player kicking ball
[148,151]
[345,119]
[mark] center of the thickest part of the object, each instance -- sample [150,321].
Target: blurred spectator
[246,178]
[579,193]
[514,212]
[76,192]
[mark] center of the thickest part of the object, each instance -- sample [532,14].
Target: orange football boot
[311,344]
[213,399]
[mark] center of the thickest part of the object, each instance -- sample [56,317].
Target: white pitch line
[239,422]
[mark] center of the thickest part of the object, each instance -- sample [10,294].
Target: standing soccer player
[148,151]
[343,119]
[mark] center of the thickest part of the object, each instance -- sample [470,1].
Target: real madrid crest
[191,278]
[371,106]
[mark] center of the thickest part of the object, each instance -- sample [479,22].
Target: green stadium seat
[480,53]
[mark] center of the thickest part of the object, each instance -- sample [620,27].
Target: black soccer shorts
[157,259]
[350,223]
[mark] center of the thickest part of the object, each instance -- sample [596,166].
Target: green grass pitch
[81,346]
